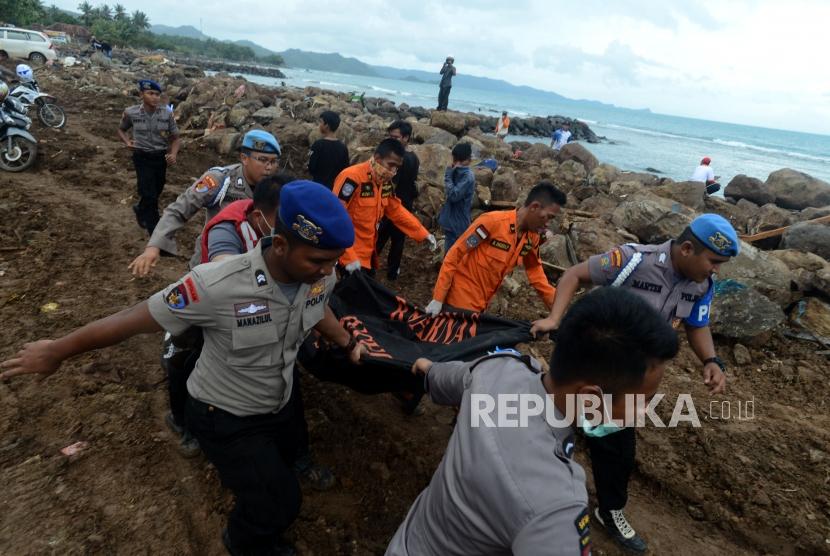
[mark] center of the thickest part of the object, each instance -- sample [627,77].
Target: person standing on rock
[255,309]
[561,136]
[447,72]
[492,247]
[367,192]
[675,277]
[706,175]
[502,126]
[459,190]
[154,132]
[406,190]
[329,155]
[508,483]
[217,188]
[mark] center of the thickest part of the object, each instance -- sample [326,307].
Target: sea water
[635,139]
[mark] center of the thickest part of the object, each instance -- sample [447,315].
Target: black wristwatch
[717,361]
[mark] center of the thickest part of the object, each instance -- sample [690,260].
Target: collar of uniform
[565,438]
[258,266]
[664,254]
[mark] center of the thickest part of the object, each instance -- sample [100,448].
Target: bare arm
[332,330]
[125,138]
[700,340]
[46,356]
[566,288]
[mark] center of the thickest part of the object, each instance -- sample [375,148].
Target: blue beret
[315,215]
[261,141]
[148,85]
[717,234]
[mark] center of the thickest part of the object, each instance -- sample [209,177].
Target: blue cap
[148,85]
[717,234]
[315,215]
[261,141]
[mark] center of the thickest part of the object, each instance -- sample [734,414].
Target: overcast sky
[755,62]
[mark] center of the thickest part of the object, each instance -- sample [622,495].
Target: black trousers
[151,173]
[612,459]
[254,457]
[443,97]
[387,231]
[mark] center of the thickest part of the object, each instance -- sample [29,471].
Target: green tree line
[116,26]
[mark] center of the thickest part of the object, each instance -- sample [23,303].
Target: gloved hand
[433,308]
[352,267]
[433,243]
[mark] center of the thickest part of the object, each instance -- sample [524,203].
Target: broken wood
[780,231]
[553,266]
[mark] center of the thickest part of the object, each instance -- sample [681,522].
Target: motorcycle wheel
[51,115]
[17,153]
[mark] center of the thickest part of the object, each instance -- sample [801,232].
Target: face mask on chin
[597,431]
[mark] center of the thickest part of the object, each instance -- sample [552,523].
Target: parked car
[25,43]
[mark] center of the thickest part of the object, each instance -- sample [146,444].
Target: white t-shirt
[560,138]
[703,173]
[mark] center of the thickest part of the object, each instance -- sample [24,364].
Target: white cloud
[749,61]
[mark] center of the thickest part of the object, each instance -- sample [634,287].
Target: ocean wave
[646,131]
[742,145]
[382,90]
[587,121]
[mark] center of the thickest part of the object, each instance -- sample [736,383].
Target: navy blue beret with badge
[148,85]
[261,141]
[312,213]
[716,234]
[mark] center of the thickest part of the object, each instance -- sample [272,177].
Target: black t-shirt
[404,180]
[327,159]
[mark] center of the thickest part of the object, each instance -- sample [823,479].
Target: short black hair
[404,127]
[390,146]
[687,235]
[267,191]
[331,119]
[610,337]
[545,193]
[462,152]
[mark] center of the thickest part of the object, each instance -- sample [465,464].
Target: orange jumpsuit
[367,203]
[478,262]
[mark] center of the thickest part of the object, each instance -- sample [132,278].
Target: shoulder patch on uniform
[583,529]
[367,190]
[205,184]
[261,280]
[499,244]
[612,259]
[177,298]
[192,290]
[347,190]
[478,235]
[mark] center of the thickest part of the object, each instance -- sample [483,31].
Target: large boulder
[422,133]
[760,270]
[484,176]
[575,151]
[813,315]
[812,212]
[797,190]
[428,204]
[769,217]
[595,236]
[453,122]
[555,250]
[538,152]
[690,193]
[602,176]
[751,189]
[744,314]
[434,160]
[804,267]
[821,281]
[238,116]
[569,175]
[599,203]
[652,219]
[812,238]
[265,116]
[504,186]
[737,214]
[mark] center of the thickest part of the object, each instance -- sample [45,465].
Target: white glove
[353,266]
[434,307]
[433,243]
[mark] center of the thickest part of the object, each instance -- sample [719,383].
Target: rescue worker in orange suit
[492,247]
[367,191]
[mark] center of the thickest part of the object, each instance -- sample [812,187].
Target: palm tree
[120,13]
[104,12]
[140,21]
[86,12]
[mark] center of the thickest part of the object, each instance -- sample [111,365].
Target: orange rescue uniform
[487,252]
[367,203]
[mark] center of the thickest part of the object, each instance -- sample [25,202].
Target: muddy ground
[67,233]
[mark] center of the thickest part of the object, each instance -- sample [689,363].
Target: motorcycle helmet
[4,91]
[25,73]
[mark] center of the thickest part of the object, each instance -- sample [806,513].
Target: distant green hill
[182,31]
[326,62]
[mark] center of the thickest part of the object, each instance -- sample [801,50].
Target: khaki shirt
[214,190]
[252,332]
[152,131]
[653,278]
[498,490]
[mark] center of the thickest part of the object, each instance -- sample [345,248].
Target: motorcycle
[48,112]
[18,148]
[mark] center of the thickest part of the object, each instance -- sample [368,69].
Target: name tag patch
[251,313]
[646,286]
[498,244]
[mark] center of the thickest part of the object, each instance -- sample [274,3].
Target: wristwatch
[717,361]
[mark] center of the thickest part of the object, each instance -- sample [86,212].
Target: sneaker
[280,548]
[174,426]
[188,446]
[319,477]
[620,530]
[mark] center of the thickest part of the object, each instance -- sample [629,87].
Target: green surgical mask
[598,431]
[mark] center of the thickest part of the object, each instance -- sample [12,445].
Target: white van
[24,43]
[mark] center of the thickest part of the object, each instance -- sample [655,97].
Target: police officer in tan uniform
[675,277]
[255,309]
[154,130]
[217,188]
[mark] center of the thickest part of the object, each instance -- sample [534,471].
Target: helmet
[25,73]
[4,91]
